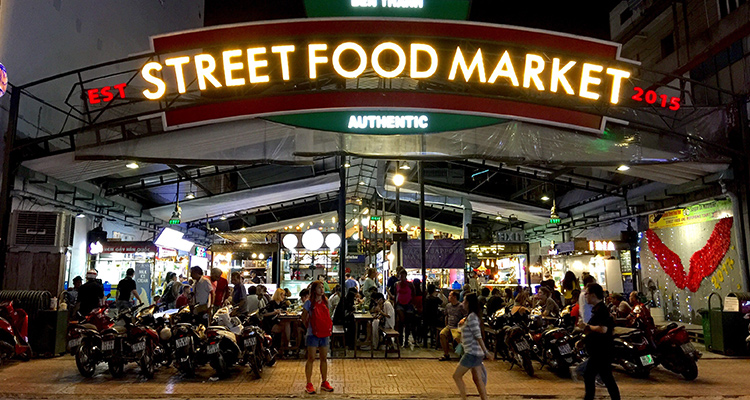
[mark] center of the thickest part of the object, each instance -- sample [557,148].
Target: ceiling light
[498,218]
[623,168]
[133,165]
[365,211]
[398,180]
[260,255]
[362,182]
[405,166]
[81,215]
[347,165]
[190,196]
[244,240]
[545,198]
[243,228]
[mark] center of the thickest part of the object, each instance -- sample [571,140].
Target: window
[727,6]
[667,46]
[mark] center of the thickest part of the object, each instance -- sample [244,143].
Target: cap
[91,274]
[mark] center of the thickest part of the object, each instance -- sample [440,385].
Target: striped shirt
[470,335]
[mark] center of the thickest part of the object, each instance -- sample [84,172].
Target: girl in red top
[404,308]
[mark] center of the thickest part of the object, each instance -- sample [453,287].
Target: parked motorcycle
[85,340]
[633,352]
[557,349]
[131,342]
[14,331]
[672,344]
[222,349]
[188,341]
[516,348]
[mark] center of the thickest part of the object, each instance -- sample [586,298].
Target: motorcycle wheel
[220,365]
[256,365]
[691,370]
[147,361]
[116,368]
[85,361]
[527,366]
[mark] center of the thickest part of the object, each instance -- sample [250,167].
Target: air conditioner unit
[37,228]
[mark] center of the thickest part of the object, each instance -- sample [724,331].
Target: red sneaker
[326,387]
[310,389]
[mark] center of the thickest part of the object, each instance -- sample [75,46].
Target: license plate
[521,345]
[73,343]
[212,349]
[108,345]
[138,347]
[182,342]
[250,342]
[565,349]
[647,360]
[688,348]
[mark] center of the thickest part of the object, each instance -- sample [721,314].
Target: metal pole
[9,176]
[422,239]
[342,223]
[398,224]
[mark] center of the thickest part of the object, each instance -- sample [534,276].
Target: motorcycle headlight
[165,334]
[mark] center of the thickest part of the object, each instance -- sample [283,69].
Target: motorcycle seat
[88,326]
[117,329]
[218,328]
[661,330]
[185,324]
[622,331]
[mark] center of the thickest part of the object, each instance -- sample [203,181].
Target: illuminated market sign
[476,69]
[243,67]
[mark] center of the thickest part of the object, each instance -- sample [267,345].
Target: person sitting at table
[253,303]
[344,315]
[272,323]
[385,316]
[335,298]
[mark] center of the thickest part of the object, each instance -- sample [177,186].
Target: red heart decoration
[703,263]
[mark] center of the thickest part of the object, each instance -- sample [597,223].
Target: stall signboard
[143,281]
[443,253]
[199,251]
[291,67]
[703,212]
[433,9]
[128,247]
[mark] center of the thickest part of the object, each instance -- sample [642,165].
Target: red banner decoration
[703,263]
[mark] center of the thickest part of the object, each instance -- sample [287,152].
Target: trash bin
[723,328]
[712,327]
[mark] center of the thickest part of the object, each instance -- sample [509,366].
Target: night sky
[586,18]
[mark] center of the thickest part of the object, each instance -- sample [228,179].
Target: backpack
[320,320]
[168,296]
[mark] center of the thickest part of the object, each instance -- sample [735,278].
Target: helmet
[91,274]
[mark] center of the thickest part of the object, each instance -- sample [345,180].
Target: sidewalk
[362,378]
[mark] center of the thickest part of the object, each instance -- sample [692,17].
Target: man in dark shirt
[599,344]
[494,303]
[431,311]
[126,291]
[90,294]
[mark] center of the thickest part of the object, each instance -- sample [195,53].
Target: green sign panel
[375,218]
[429,9]
[385,122]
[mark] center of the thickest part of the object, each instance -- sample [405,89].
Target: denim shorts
[314,341]
[471,361]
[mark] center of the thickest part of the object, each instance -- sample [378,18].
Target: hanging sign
[510,237]
[302,66]
[703,212]
[385,123]
[143,281]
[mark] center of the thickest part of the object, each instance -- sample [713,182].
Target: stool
[491,337]
[390,336]
[338,332]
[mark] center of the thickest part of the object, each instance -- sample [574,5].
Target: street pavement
[58,378]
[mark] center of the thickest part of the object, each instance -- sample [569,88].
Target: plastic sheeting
[512,142]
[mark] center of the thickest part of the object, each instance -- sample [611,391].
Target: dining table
[359,318]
